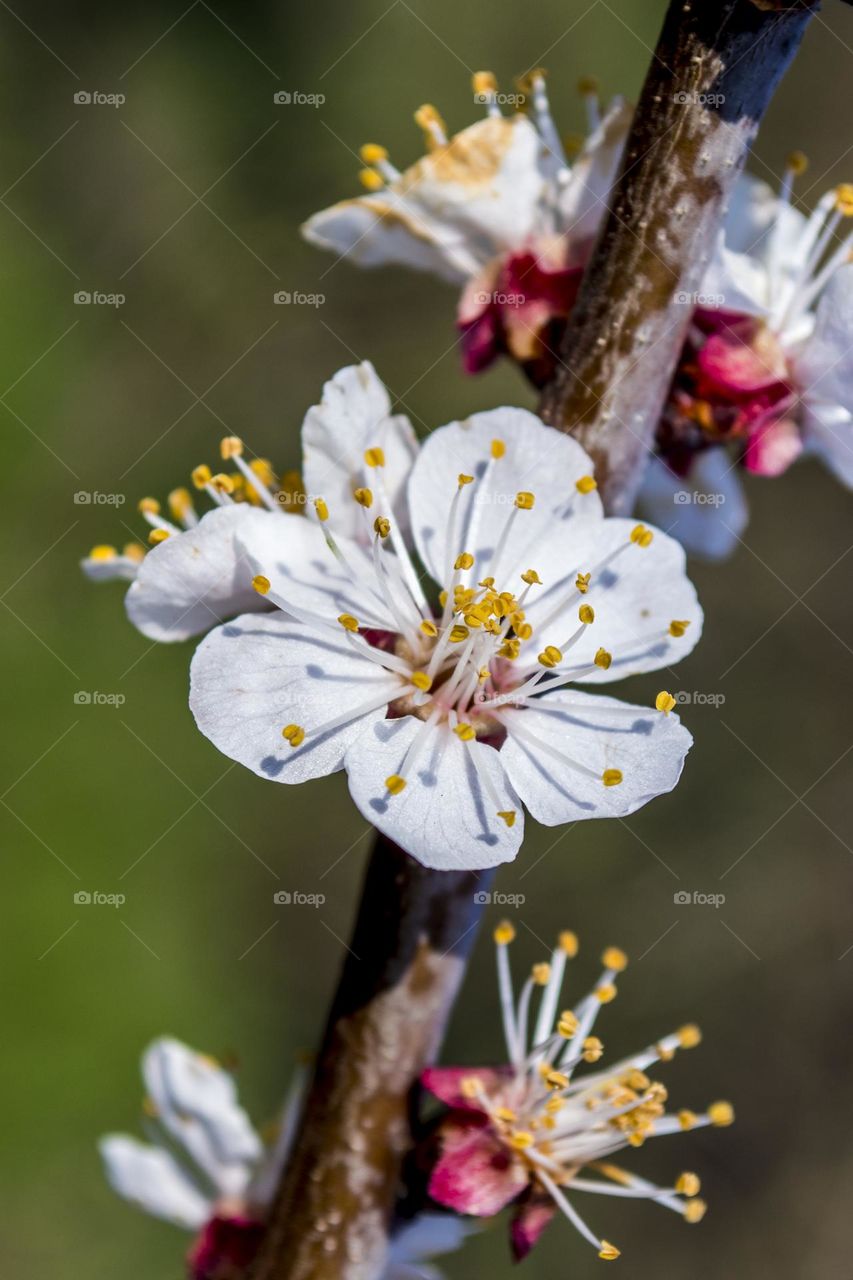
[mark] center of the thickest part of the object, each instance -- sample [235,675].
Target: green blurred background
[187,199]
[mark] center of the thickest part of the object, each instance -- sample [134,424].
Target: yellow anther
[230,447]
[498,448]
[395,783]
[844,199]
[149,506]
[797,162]
[586,613]
[321,509]
[521,1139]
[372,153]
[614,958]
[465,731]
[348,622]
[524,630]
[541,974]
[263,469]
[689,1036]
[103,552]
[664,702]
[201,476]
[133,551]
[586,484]
[556,1080]
[504,933]
[611,777]
[371,179]
[382,526]
[582,583]
[463,479]
[721,1114]
[464,560]
[487,582]
[484,83]
[568,942]
[550,656]
[458,634]
[605,993]
[603,659]
[510,650]
[524,500]
[695,1210]
[374,457]
[587,85]
[364,497]
[294,734]
[553,1105]
[261,584]
[531,577]
[470,1086]
[567,1024]
[506,1114]
[678,627]
[508,816]
[592,1049]
[157,536]
[222,483]
[687,1119]
[429,628]
[428,119]
[421,681]
[180,503]
[688,1184]
[608,1251]
[291,492]
[641,535]
[483,674]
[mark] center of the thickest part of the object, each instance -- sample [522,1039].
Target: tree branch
[713,74]
[415,927]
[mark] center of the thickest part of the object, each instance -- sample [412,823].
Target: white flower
[447,720]
[530,1132]
[480,194]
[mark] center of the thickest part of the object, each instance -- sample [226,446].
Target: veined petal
[599,733]
[535,459]
[150,1178]
[706,511]
[445,815]
[636,593]
[257,675]
[294,555]
[182,1084]
[475,1174]
[354,415]
[195,579]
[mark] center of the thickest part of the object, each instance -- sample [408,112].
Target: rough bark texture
[713,74]
[413,933]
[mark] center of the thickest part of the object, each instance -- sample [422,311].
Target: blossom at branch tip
[497,208]
[449,715]
[767,372]
[206,1169]
[531,1133]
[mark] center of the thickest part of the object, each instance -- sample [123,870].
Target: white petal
[379,230]
[195,579]
[429,1236]
[828,432]
[354,415]
[754,210]
[293,554]
[634,598]
[583,202]
[251,678]
[183,1083]
[444,817]
[117,568]
[706,512]
[538,459]
[598,733]
[825,366]
[151,1179]
[734,282]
